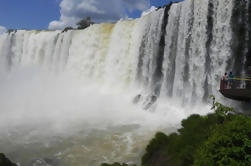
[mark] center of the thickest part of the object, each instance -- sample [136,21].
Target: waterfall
[78,86]
[178,51]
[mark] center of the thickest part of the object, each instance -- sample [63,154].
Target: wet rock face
[5,161]
[149,102]
[115,164]
[137,99]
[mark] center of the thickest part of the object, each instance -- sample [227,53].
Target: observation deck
[239,89]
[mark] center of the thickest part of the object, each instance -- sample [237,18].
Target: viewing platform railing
[236,83]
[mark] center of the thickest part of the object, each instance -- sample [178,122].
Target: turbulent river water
[67,98]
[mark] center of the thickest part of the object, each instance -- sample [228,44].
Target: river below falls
[58,119]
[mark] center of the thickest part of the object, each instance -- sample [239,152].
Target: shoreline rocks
[4,161]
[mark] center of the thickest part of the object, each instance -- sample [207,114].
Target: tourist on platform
[225,80]
[230,79]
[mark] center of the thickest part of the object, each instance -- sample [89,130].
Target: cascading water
[66,98]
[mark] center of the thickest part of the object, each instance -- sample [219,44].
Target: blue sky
[38,14]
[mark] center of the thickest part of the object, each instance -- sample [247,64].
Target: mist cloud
[2,29]
[99,10]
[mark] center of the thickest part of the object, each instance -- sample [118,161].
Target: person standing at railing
[225,80]
[230,80]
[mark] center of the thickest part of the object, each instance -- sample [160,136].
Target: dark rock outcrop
[115,164]
[5,161]
[137,98]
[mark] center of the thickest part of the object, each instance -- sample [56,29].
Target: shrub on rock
[5,161]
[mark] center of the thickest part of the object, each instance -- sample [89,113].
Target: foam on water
[66,98]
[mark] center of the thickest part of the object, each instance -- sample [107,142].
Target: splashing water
[66,98]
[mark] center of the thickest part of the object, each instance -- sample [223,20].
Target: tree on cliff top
[84,23]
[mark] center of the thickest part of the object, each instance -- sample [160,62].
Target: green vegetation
[84,23]
[217,139]
[229,144]
[180,148]
[5,161]
[11,30]
[67,29]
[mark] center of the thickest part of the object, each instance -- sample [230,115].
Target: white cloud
[2,29]
[91,8]
[99,10]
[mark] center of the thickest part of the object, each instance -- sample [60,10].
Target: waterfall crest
[180,51]
[67,96]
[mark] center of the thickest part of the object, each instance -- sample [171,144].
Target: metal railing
[236,83]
